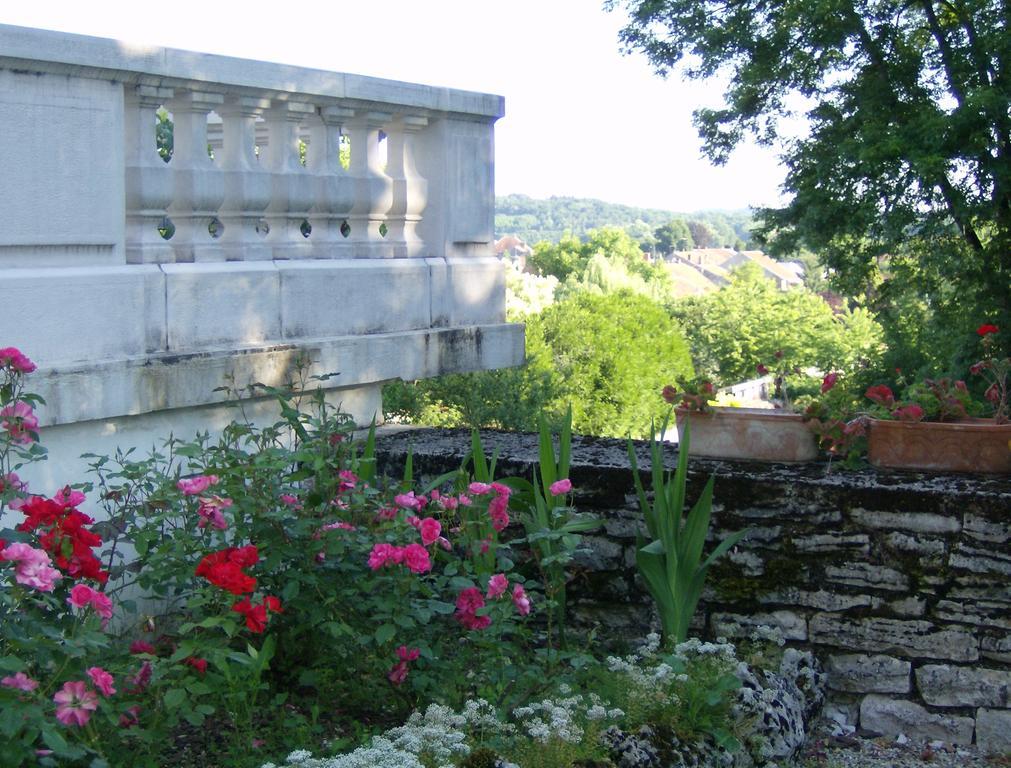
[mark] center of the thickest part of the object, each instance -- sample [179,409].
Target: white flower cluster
[380,752]
[771,635]
[559,719]
[482,718]
[438,733]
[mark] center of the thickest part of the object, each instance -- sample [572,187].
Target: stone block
[904,542]
[911,607]
[822,599]
[982,529]
[792,625]
[997,648]
[993,731]
[599,554]
[981,613]
[827,542]
[860,673]
[943,685]
[327,298]
[72,315]
[891,717]
[919,522]
[915,639]
[868,575]
[980,560]
[229,304]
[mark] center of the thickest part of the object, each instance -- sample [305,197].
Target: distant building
[714,265]
[514,250]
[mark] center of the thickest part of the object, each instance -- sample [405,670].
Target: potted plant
[758,434]
[936,426]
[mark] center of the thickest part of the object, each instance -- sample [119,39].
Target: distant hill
[535,220]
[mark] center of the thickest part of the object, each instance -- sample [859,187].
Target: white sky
[581,119]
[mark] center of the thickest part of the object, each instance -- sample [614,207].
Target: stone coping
[595,457]
[39,50]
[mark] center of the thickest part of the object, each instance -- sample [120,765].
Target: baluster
[247,185]
[335,192]
[410,189]
[373,188]
[291,184]
[198,184]
[148,178]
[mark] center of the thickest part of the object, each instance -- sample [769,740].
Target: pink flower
[340,525]
[430,529]
[520,600]
[14,358]
[444,543]
[21,681]
[69,497]
[501,490]
[33,567]
[497,512]
[81,595]
[410,501]
[497,586]
[386,513]
[291,501]
[408,654]
[102,605]
[348,480]
[559,487]
[382,554]
[142,679]
[139,646]
[20,421]
[416,558]
[130,718]
[194,486]
[992,394]
[478,489]
[468,603]
[828,382]
[398,674]
[210,512]
[102,680]
[74,703]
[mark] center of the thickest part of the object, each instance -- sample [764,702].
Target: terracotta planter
[749,433]
[973,445]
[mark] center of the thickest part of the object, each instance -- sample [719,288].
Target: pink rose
[497,512]
[468,603]
[74,703]
[194,486]
[520,600]
[348,480]
[20,421]
[497,586]
[33,567]
[416,558]
[479,489]
[15,359]
[382,554]
[210,512]
[102,680]
[410,501]
[20,681]
[430,529]
[559,487]
[81,595]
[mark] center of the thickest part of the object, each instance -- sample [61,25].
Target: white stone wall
[132,332]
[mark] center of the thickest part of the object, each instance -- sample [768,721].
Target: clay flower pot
[971,445]
[756,434]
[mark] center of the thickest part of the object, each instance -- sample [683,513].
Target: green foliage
[904,166]
[673,236]
[607,355]
[745,323]
[671,564]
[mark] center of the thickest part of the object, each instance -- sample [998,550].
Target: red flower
[670,394]
[761,370]
[880,394]
[828,382]
[224,569]
[908,413]
[200,665]
[256,615]
[987,329]
[139,646]
[272,604]
[66,539]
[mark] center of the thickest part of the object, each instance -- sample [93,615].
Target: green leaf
[174,698]
[385,633]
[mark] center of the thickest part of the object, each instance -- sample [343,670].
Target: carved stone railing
[299,211]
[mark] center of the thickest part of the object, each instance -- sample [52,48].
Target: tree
[747,322]
[908,154]
[673,236]
[702,235]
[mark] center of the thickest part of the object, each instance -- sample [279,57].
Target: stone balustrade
[137,281]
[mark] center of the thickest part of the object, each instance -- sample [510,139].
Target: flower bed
[224,601]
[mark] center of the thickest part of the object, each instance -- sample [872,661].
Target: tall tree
[702,235]
[908,153]
[673,236]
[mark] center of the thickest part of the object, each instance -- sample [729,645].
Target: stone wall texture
[899,582]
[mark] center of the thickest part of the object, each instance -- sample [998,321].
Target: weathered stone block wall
[899,582]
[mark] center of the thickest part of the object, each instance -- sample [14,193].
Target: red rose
[987,329]
[200,665]
[828,382]
[256,615]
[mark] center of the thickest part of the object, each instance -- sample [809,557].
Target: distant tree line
[552,219]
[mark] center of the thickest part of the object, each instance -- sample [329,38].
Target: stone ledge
[139,385]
